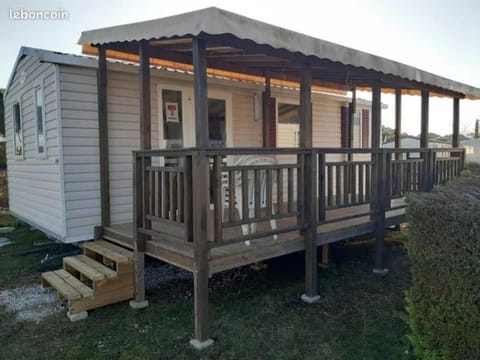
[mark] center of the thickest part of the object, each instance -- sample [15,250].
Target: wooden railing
[279,191]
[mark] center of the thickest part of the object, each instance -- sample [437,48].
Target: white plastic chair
[249,160]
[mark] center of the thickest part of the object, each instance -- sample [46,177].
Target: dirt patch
[30,303]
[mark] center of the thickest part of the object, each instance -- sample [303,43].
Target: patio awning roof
[243,45]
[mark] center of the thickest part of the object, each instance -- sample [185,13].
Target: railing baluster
[180,197]
[150,192]
[245,197]
[157,194]
[258,191]
[188,188]
[338,185]
[290,202]
[144,193]
[166,195]
[329,185]
[217,198]
[268,190]
[173,197]
[352,177]
[321,187]
[361,180]
[300,188]
[231,196]
[368,182]
[280,207]
[345,185]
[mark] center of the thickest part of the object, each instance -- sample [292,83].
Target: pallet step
[109,250]
[66,284]
[88,267]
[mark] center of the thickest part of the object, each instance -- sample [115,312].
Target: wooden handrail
[244,195]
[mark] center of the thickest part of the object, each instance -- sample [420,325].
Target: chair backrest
[249,160]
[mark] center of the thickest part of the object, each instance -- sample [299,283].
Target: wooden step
[88,267]
[66,284]
[109,250]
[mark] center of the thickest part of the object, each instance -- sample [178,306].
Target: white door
[175,114]
[177,117]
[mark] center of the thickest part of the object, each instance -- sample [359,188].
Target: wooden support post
[200,196]
[456,122]
[306,125]
[309,188]
[433,169]
[376,116]
[140,181]
[398,122]
[349,170]
[267,94]
[426,156]
[424,120]
[103,136]
[380,202]
[353,110]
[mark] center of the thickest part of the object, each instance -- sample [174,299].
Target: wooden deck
[180,253]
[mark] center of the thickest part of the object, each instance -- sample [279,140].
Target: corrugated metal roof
[214,21]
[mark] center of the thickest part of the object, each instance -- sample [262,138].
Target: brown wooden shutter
[365,128]
[272,123]
[344,127]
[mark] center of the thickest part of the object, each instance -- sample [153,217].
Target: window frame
[357,138]
[286,100]
[39,86]
[14,133]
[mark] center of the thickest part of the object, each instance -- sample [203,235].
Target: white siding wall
[35,189]
[326,121]
[78,94]
[246,131]
[124,137]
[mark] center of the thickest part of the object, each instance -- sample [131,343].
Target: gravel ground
[30,303]
[35,303]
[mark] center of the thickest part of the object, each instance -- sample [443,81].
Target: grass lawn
[255,315]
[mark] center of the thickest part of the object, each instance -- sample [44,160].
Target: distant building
[472,150]
[413,142]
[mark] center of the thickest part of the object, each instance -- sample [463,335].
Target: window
[357,130]
[288,125]
[17,129]
[216,122]
[40,120]
[359,126]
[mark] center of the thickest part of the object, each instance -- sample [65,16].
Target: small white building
[472,150]
[52,132]
[413,142]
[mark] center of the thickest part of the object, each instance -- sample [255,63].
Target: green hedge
[443,304]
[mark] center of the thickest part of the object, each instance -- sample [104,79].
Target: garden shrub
[443,304]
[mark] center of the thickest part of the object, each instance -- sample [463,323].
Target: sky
[442,37]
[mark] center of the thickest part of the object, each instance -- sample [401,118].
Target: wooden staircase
[102,275]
